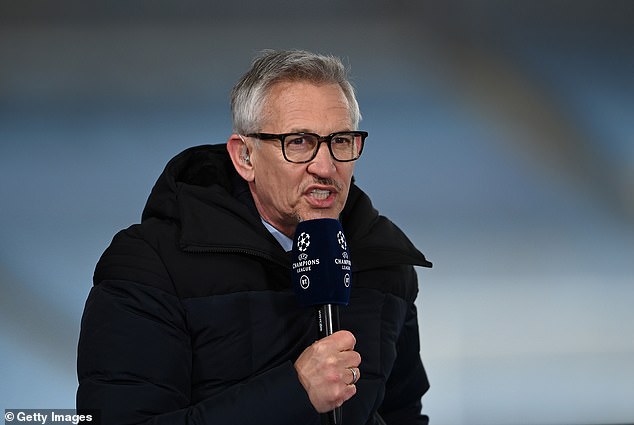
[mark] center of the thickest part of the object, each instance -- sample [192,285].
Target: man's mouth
[320,194]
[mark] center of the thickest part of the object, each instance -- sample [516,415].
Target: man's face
[286,193]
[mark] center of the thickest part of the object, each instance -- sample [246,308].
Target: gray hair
[249,94]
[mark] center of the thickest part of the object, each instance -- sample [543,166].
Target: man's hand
[324,369]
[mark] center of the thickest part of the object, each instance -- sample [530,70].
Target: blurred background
[501,140]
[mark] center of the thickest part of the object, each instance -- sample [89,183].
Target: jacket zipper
[196,249]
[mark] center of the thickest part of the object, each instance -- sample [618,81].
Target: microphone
[321,275]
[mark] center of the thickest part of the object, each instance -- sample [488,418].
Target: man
[192,318]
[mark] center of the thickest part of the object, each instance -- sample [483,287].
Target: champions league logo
[344,262]
[304,264]
[320,263]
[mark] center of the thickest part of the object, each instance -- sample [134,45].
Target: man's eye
[296,141]
[341,140]
[300,141]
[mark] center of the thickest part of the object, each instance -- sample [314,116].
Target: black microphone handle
[327,324]
[327,319]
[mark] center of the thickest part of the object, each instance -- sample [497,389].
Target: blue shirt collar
[285,241]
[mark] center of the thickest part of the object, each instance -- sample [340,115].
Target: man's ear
[240,154]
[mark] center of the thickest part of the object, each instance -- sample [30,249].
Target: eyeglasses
[344,146]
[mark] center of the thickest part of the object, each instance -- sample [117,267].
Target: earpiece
[245,155]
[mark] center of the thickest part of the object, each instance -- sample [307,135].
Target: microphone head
[321,268]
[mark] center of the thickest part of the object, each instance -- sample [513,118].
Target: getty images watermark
[51,416]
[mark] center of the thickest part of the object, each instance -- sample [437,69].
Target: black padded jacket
[192,318]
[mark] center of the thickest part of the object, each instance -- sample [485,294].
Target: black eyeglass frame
[320,139]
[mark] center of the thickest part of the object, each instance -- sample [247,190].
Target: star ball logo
[342,240]
[303,242]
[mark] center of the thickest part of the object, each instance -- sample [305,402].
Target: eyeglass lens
[301,147]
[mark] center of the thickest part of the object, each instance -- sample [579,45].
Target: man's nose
[323,163]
